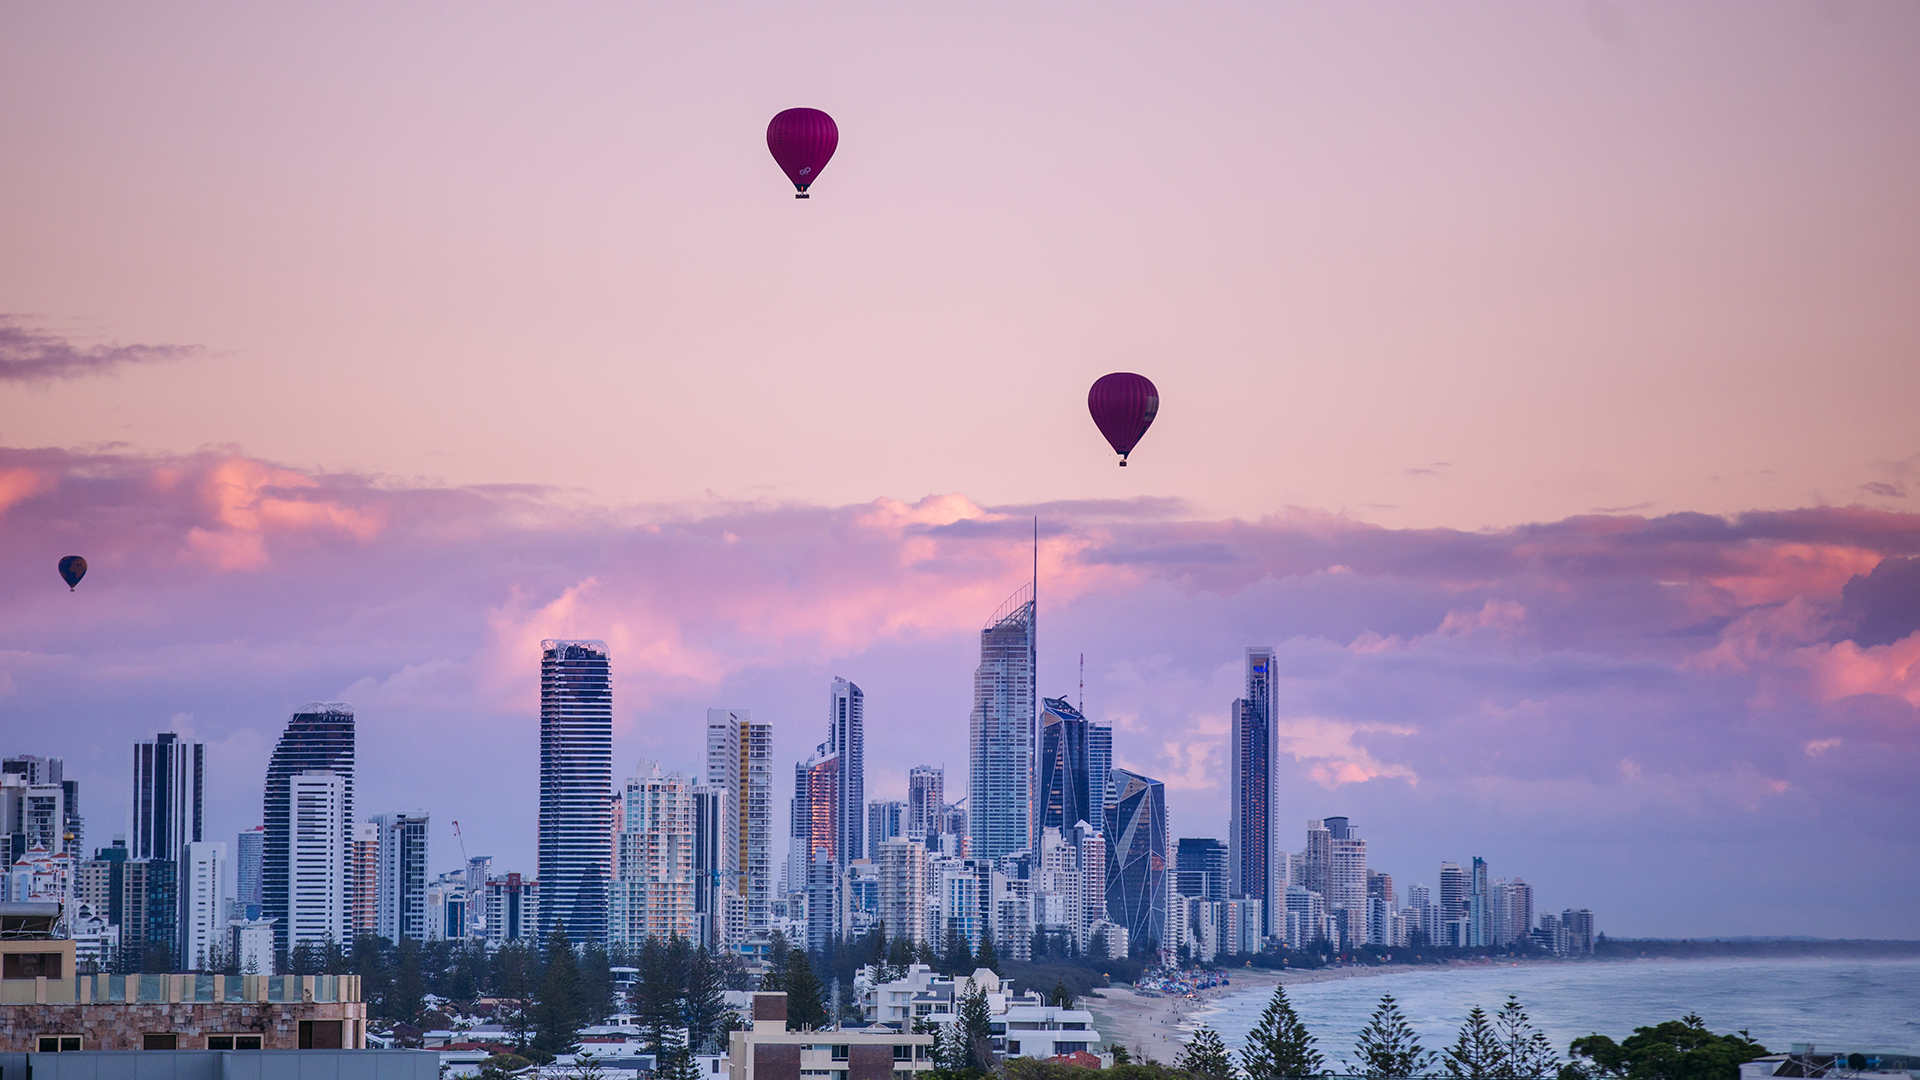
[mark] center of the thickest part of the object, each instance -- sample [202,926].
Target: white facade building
[317,886]
[653,883]
[202,913]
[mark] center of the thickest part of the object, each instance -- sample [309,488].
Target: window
[1069,1048]
[31,966]
[839,1051]
[159,1040]
[233,1042]
[1013,1046]
[53,1044]
[320,1035]
[903,1053]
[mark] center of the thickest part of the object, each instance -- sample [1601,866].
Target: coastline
[1156,1026]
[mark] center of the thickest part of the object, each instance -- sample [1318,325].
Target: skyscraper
[40,772]
[926,802]
[166,811]
[846,736]
[401,880]
[1453,906]
[1479,921]
[1316,858]
[710,927]
[1250,839]
[246,871]
[653,892]
[1136,837]
[740,762]
[1000,782]
[576,789]
[317,822]
[1099,771]
[202,922]
[363,880]
[1200,868]
[814,815]
[886,818]
[902,865]
[1066,777]
[318,739]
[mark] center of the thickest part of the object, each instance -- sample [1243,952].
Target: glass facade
[576,789]
[1001,736]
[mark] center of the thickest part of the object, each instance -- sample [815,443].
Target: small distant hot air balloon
[1123,406]
[802,141]
[73,568]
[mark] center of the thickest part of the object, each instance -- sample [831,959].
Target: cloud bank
[1681,721]
[31,356]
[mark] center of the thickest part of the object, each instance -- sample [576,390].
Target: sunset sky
[1542,380]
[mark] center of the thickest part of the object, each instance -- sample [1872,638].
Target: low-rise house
[766,1050]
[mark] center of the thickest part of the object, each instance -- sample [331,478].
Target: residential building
[711,884]
[740,762]
[1136,835]
[847,738]
[319,738]
[401,883]
[363,880]
[653,891]
[250,944]
[1099,770]
[1479,913]
[479,872]
[1066,795]
[317,859]
[1250,835]
[902,871]
[203,919]
[766,1050]
[1202,867]
[814,816]
[246,871]
[1453,895]
[885,819]
[166,811]
[576,789]
[926,806]
[1091,845]
[1001,731]
[39,817]
[511,903]
[1346,878]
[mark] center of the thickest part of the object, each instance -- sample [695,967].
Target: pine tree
[775,977]
[1120,1054]
[1529,1054]
[656,998]
[706,1001]
[1476,1053]
[1062,995]
[959,958]
[1205,1055]
[1388,1049]
[596,984]
[805,1009]
[975,1031]
[409,986]
[1279,1045]
[987,958]
[556,1013]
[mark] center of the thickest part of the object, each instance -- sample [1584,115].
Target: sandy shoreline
[1152,1026]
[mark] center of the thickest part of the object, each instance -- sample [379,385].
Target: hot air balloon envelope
[73,568]
[802,141]
[1123,406]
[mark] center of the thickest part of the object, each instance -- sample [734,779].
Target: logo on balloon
[805,170]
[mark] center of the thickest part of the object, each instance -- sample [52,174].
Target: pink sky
[1536,377]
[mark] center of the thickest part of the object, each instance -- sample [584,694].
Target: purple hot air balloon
[802,141]
[1123,406]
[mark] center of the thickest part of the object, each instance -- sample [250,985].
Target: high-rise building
[40,772]
[902,866]
[1201,868]
[1250,836]
[401,881]
[1453,893]
[166,811]
[319,738]
[740,762]
[814,816]
[246,871]
[1479,913]
[316,859]
[653,891]
[1136,836]
[1099,770]
[32,818]
[1316,859]
[846,737]
[511,905]
[1066,778]
[576,789]
[1512,911]
[363,880]
[1000,782]
[202,914]
[886,819]
[926,802]
[711,886]
[1091,844]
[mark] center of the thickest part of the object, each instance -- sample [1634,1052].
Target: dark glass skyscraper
[1000,781]
[1066,774]
[1200,868]
[318,739]
[576,789]
[1250,869]
[846,736]
[169,795]
[1137,858]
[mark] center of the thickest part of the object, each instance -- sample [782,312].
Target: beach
[1153,1025]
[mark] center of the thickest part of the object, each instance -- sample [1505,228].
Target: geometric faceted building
[1137,858]
[1001,779]
[318,742]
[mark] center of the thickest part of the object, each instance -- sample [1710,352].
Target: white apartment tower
[202,914]
[740,763]
[317,859]
[653,889]
[401,877]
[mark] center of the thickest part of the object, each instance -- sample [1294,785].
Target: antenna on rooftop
[1083,684]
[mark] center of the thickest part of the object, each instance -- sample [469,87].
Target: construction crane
[464,861]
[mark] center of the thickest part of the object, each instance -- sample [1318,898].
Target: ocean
[1842,1005]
